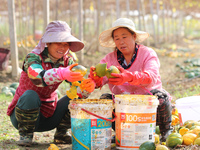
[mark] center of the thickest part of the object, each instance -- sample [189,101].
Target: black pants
[31,100]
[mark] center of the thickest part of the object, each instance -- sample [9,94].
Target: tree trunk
[163,22]
[138,8]
[70,13]
[118,8]
[158,25]
[153,25]
[13,39]
[144,22]
[33,11]
[127,8]
[20,20]
[98,21]
[46,13]
[168,24]
[181,26]
[174,36]
[56,10]
[80,14]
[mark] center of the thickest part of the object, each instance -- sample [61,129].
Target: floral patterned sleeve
[33,67]
[51,77]
[37,74]
[40,77]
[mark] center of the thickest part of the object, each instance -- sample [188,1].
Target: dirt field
[173,80]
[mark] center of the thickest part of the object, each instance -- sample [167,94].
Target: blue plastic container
[90,132]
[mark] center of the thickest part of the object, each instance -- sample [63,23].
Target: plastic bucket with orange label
[136,120]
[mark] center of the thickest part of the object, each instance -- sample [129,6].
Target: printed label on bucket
[91,134]
[132,129]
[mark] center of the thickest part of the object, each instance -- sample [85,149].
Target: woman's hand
[121,78]
[67,74]
[134,78]
[98,80]
[88,85]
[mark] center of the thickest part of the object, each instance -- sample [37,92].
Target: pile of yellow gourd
[186,134]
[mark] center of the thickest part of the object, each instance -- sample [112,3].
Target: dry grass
[173,81]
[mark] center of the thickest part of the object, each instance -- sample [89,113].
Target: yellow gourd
[198,135]
[183,130]
[187,122]
[157,130]
[175,111]
[161,147]
[72,92]
[53,147]
[175,120]
[189,138]
[157,139]
[196,130]
[195,123]
[100,69]
[80,68]
[112,69]
[197,141]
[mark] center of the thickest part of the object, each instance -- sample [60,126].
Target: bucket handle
[113,98]
[111,120]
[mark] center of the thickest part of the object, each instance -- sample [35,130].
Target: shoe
[66,139]
[25,141]
[26,124]
[113,139]
[165,135]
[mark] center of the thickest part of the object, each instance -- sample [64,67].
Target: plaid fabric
[120,58]
[36,65]
[164,116]
[164,109]
[47,94]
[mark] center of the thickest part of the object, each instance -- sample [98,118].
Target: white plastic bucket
[136,120]
[189,108]
[88,131]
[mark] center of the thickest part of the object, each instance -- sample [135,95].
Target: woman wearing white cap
[35,106]
[139,67]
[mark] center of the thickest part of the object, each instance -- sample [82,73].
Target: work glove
[88,85]
[121,78]
[93,75]
[67,74]
[134,78]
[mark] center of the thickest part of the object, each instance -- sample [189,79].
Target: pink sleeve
[105,79]
[152,66]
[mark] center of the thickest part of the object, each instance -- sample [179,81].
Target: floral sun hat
[106,40]
[58,31]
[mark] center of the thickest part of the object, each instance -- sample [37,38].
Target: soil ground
[172,78]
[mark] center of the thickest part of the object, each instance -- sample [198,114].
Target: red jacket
[46,94]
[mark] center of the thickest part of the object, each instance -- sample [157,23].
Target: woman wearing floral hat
[35,106]
[139,66]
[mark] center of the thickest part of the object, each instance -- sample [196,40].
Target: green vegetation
[182,92]
[7,131]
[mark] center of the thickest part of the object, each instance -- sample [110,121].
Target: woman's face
[57,50]
[124,40]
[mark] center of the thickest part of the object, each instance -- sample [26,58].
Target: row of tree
[165,20]
[158,17]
